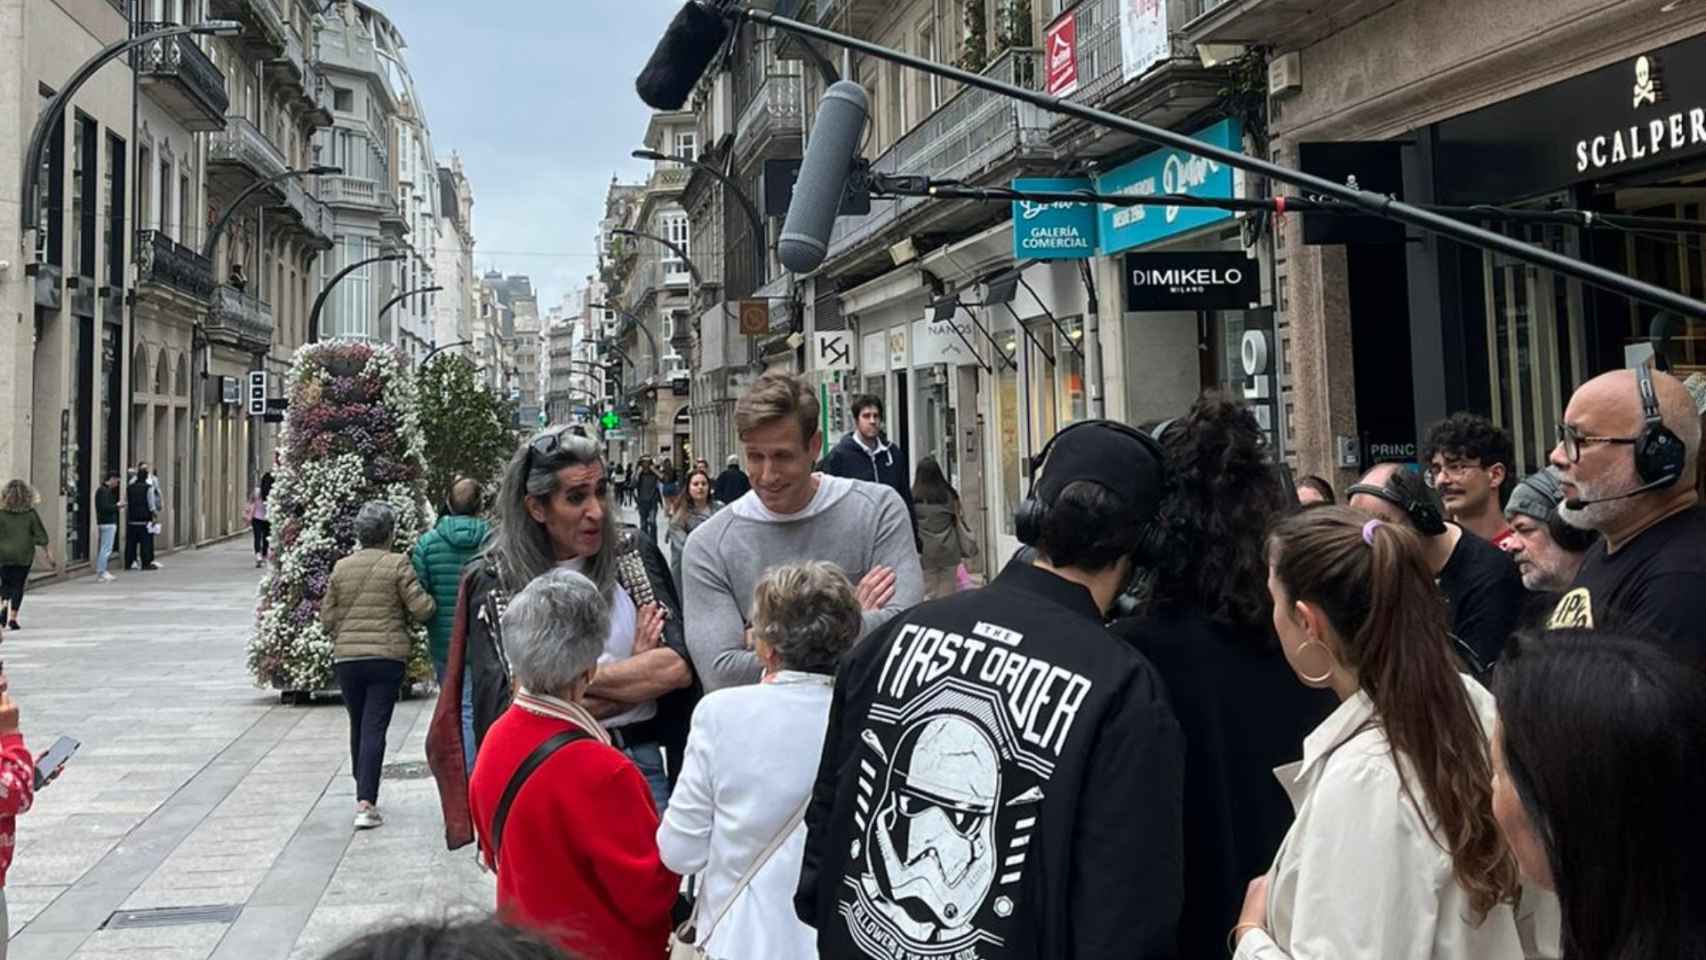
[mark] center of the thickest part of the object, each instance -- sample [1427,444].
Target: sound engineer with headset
[1629,454]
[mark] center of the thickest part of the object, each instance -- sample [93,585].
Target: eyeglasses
[1451,468]
[1572,439]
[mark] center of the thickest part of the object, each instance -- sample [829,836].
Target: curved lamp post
[435,351]
[674,248]
[55,109]
[657,355]
[253,188]
[320,301]
[760,249]
[406,294]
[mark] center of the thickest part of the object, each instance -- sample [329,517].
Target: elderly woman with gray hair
[369,608]
[574,853]
[554,511]
[751,759]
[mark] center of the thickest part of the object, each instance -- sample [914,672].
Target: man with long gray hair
[554,510]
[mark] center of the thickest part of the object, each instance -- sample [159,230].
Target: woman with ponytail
[1395,851]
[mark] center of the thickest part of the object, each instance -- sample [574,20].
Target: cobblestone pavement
[195,789]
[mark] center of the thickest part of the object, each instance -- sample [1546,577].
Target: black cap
[1111,455]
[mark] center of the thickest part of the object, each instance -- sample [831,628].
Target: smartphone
[55,758]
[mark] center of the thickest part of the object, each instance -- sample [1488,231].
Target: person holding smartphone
[17,789]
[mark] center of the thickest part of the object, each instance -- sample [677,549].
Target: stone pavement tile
[152,898]
[34,945]
[263,933]
[193,941]
[24,901]
[60,862]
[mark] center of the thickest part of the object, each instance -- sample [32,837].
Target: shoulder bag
[686,942]
[534,761]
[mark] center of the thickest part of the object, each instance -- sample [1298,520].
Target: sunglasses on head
[548,444]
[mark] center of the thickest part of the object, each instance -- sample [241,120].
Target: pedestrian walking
[619,481]
[948,541]
[483,938]
[17,790]
[157,508]
[669,487]
[1395,851]
[865,453]
[648,493]
[21,534]
[694,508]
[1638,890]
[1467,459]
[1629,455]
[139,522]
[440,558]
[259,524]
[1208,628]
[369,607]
[795,514]
[1479,581]
[732,483]
[743,843]
[554,510]
[1000,771]
[107,508]
[576,852]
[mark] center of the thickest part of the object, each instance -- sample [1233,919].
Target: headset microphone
[835,138]
[1577,503]
[682,56]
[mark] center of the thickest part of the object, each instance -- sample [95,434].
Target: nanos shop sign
[1053,231]
[1190,281]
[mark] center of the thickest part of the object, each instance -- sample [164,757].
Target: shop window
[114,202]
[1007,426]
[1042,382]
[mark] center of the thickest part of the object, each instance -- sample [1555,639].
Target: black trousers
[263,532]
[137,539]
[370,689]
[12,581]
[649,517]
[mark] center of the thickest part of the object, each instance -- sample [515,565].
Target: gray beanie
[1536,496]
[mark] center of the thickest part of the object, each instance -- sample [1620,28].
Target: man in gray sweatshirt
[791,514]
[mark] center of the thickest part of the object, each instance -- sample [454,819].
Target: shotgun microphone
[682,56]
[835,138]
[1577,503]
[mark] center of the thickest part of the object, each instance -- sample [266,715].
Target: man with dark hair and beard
[1629,457]
[1207,627]
[1001,778]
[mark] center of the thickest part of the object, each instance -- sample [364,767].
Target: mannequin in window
[238,281]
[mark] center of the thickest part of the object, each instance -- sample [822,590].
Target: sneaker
[13,626]
[368,819]
[106,578]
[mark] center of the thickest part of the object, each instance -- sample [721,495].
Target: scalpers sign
[1164,172]
[1654,132]
[1053,231]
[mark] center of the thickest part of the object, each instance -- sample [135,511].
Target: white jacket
[1359,877]
[750,762]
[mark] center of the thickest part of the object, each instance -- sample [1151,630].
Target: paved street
[195,789]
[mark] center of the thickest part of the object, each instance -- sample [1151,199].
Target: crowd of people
[1199,713]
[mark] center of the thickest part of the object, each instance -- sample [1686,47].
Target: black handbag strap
[533,762]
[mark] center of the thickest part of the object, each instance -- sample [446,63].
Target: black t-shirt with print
[1653,587]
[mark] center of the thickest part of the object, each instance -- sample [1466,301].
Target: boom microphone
[836,135]
[681,57]
[1577,503]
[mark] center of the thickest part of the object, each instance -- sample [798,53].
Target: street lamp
[674,248]
[406,294]
[761,249]
[237,204]
[55,108]
[435,351]
[320,301]
[657,354]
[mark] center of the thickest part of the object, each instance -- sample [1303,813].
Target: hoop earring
[1323,678]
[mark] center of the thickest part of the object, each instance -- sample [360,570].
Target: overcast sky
[538,97]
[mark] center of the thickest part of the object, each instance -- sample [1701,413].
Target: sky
[538,98]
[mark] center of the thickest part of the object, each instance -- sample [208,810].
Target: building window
[686,145]
[85,161]
[145,176]
[676,229]
[166,207]
[343,101]
[115,198]
[185,220]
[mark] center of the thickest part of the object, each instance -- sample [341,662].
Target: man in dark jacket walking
[1001,777]
[646,497]
[865,454]
[139,511]
[732,483]
[439,558]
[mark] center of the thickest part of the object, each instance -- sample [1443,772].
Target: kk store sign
[1068,230]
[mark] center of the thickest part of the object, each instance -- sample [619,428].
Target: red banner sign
[1062,53]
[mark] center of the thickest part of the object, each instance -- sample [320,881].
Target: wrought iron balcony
[776,107]
[858,17]
[237,318]
[164,263]
[263,25]
[178,75]
[243,148]
[1101,69]
[306,214]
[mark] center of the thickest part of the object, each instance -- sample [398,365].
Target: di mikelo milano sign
[1190,281]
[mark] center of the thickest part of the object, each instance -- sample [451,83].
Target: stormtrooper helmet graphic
[932,842]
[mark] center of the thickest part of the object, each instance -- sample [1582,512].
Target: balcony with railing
[166,265]
[668,178]
[263,25]
[306,214]
[235,317]
[975,136]
[776,107]
[243,153]
[291,70]
[178,75]
[345,191]
[347,47]
[1282,24]
[858,17]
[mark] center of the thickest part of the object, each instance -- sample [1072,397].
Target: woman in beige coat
[369,607]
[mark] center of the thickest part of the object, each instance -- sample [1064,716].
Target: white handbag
[686,943]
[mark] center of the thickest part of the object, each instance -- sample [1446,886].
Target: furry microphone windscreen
[681,57]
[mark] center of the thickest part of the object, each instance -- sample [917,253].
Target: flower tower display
[351,434]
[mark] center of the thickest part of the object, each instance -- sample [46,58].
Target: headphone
[1659,453]
[1418,505]
[1032,512]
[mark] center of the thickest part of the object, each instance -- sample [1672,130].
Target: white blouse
[619,645]
[1359,877]
[750,762]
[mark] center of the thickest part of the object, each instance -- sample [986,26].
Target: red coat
[579,857]
[17,792]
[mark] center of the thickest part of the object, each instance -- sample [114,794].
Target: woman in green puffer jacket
[21,532]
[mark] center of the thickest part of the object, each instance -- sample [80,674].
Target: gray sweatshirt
[854,524]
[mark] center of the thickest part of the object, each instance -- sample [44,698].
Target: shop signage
[230,392]
[1053,231]
[1061,42]
[941,342]
[754,318]
[897,348]
[873,354]
[1373,165]
[1643,111]
[834,350]
[1210,280]
[1144,39]
[1163,172]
